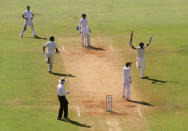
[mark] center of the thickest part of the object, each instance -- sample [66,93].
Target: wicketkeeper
[51,45]
[84,30]
[28,16]
[140,61]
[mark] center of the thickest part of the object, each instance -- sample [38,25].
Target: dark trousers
[63,106]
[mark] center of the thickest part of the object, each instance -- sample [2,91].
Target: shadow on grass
[141,103]
[77,123]
[96,48]
[61,74]
[154,81]
[38,37]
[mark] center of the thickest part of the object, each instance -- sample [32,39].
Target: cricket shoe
[59,118]
[21,35]
[66,119]
[127,99]
[142,77]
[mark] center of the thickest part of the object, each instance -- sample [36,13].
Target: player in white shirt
[84,30]
[28,16]
[140,61]
[126,80]
[51,45]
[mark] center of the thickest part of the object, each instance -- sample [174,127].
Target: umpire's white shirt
[84,25]
[51,47]
[126,74]
[28,14]
[61,90]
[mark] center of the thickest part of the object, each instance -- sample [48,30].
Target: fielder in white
[140,61]
[126,80]
[84,30]
[28,16]
[51,45]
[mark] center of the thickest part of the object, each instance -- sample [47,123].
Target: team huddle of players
[84,31]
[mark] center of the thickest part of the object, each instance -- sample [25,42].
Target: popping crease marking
[78,111]
[139,112]
[63,48]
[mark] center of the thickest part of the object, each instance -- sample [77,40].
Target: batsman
[51,45]
[84,30]
[140,61]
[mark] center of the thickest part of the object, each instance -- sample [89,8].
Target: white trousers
[126,85]
[49,59]
[26,24]
[85,39]
[140,63]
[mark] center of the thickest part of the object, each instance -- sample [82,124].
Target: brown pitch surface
[98,72]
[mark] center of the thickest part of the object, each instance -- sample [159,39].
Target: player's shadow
[38,37]
[77,123]
[96,48]
[61,74]
[141,103]
[154,81]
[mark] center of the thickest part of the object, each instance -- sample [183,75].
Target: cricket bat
[131,37]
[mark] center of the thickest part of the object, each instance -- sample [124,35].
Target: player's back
[140,52]
[51,46]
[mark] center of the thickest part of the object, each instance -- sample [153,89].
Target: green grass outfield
[24,80]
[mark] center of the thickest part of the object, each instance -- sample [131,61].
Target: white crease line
[63,48]
[78,111]
[139,112]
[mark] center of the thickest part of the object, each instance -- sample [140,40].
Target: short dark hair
[52,38]
[141,44]
[128,63]
[83,15]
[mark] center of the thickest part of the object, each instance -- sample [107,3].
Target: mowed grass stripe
[24,76]
[24,79]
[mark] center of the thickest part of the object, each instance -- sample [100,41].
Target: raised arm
[131,39]
[148,42]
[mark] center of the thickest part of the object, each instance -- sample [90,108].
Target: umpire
[62,99]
